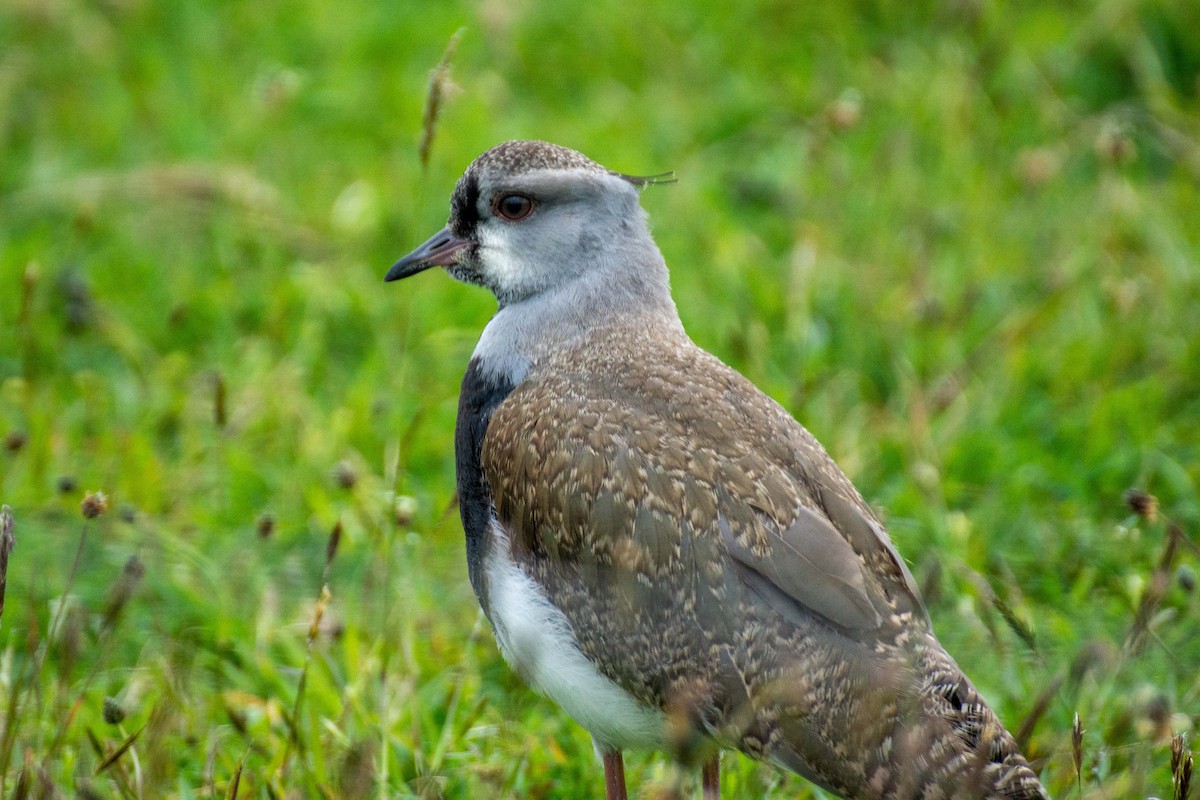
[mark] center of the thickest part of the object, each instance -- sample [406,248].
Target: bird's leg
[614,776]
[710,778]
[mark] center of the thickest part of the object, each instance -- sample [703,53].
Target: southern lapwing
[661,548]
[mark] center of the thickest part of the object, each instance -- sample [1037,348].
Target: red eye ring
[514,207]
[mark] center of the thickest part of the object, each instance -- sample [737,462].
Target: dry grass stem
[33,679]
[1077,751]
[1040,706]
[121,750]
[7,541]
[1156,589]
[121,592]
[331,548]
[314,630]
[236,781]
[219,413]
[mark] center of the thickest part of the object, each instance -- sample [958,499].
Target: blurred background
[958,240]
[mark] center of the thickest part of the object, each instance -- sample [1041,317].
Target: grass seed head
[345,475]
[1181,766]
[403,509]
[1186,578]
[314,626]
[94,504]
[441,86]
[1144,504]
[14,441]
[113,713]
[331,547]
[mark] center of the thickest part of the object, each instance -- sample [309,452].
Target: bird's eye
[514,207]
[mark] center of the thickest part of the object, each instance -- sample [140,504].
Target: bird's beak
[439,250]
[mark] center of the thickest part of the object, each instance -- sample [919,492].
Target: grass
[958,240]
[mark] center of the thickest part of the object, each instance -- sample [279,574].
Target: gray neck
[627,288]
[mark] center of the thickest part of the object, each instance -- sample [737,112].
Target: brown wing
[681,496]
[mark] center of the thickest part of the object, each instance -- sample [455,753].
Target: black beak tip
[405,267]
[395,273]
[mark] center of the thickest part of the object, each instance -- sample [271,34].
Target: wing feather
[700,501]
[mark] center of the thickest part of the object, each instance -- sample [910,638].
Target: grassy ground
[959,240]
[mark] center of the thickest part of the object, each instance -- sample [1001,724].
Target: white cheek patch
[502,268]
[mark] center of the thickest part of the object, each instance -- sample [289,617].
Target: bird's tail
[928,735]
[958,748]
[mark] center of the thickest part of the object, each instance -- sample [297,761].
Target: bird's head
[528,217]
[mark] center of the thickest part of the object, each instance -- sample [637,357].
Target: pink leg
[710,777]
[614,776]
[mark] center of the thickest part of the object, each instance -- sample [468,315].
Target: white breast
[536,640]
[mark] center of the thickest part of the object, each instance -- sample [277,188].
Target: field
[959,240]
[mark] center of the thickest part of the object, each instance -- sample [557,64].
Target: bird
[662,549]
